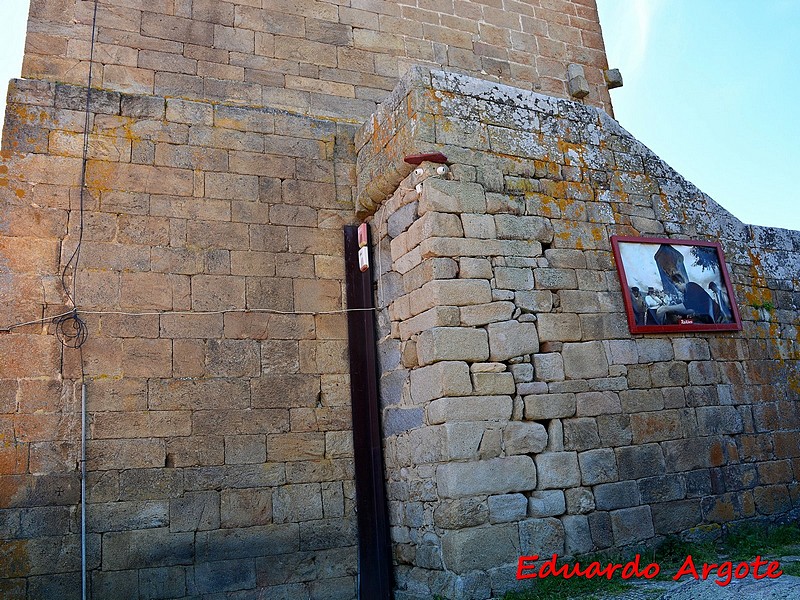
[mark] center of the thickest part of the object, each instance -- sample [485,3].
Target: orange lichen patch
[20,193]
[759,293]
[3,182]
[3,169]
[572,153]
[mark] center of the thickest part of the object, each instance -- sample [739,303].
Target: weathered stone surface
[546,503]
[508,339]
[470,408]
[447,378]
[548,367]
[577,536]
[475,268]
[591,404]
[598,466]
[506,508]
[644,460]
[524,438]
[511,278]
[482,314]
[579,501]
[543,537]
[580,434]
[451,197]
[452,344]
[631,525]
[460,513]
[549,406]
[610,496]
[499,545]
[493,383]
[557,470]
[716,420]
[495,476]
[559,327]
[523,228]
[585,360]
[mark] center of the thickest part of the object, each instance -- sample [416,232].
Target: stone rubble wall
[323,57]
[520,415]
[220,446]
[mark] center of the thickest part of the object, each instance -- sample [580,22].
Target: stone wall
[520,415]
[320,57]
[219,452]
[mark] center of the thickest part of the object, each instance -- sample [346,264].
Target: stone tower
[173,273]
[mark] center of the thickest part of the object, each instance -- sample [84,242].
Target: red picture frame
[672,285]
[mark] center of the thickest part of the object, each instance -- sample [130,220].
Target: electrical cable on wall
[71,330]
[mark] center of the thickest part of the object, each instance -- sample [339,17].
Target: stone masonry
[220,453]
[228,145]
[520,415]
[322,57]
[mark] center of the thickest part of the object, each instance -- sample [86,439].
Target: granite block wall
[322,57]
[219,450]
[520,415]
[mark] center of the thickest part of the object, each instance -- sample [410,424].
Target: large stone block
[592,404]
[674,517]
[463,440]
[494,476]
[524,438]
[470,408]
[559,327]
[487,384]
[719,420]
[644,460]
[558,470]
[598,466]
[631,525]
[577,536]
[297,503]
[446,378]
[481,314]
[438,316]
[543,537]
[499,545]
[580,434]
[611,496]
[656,426]
[548,367]
[513,278]
[514,227]
[441,195]
[506,508]
[546,503]
[543,407]
[146,549]
[452,343]
[508,339]
[460,513]
[585,360]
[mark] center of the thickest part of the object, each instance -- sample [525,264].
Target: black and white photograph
[677,285]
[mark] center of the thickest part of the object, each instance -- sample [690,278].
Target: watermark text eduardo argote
[530,567]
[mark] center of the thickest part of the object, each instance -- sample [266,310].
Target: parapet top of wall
[313,56]
[515,141]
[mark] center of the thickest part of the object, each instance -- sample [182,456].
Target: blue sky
[710,86]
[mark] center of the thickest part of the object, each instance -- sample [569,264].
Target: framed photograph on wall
[674,285]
